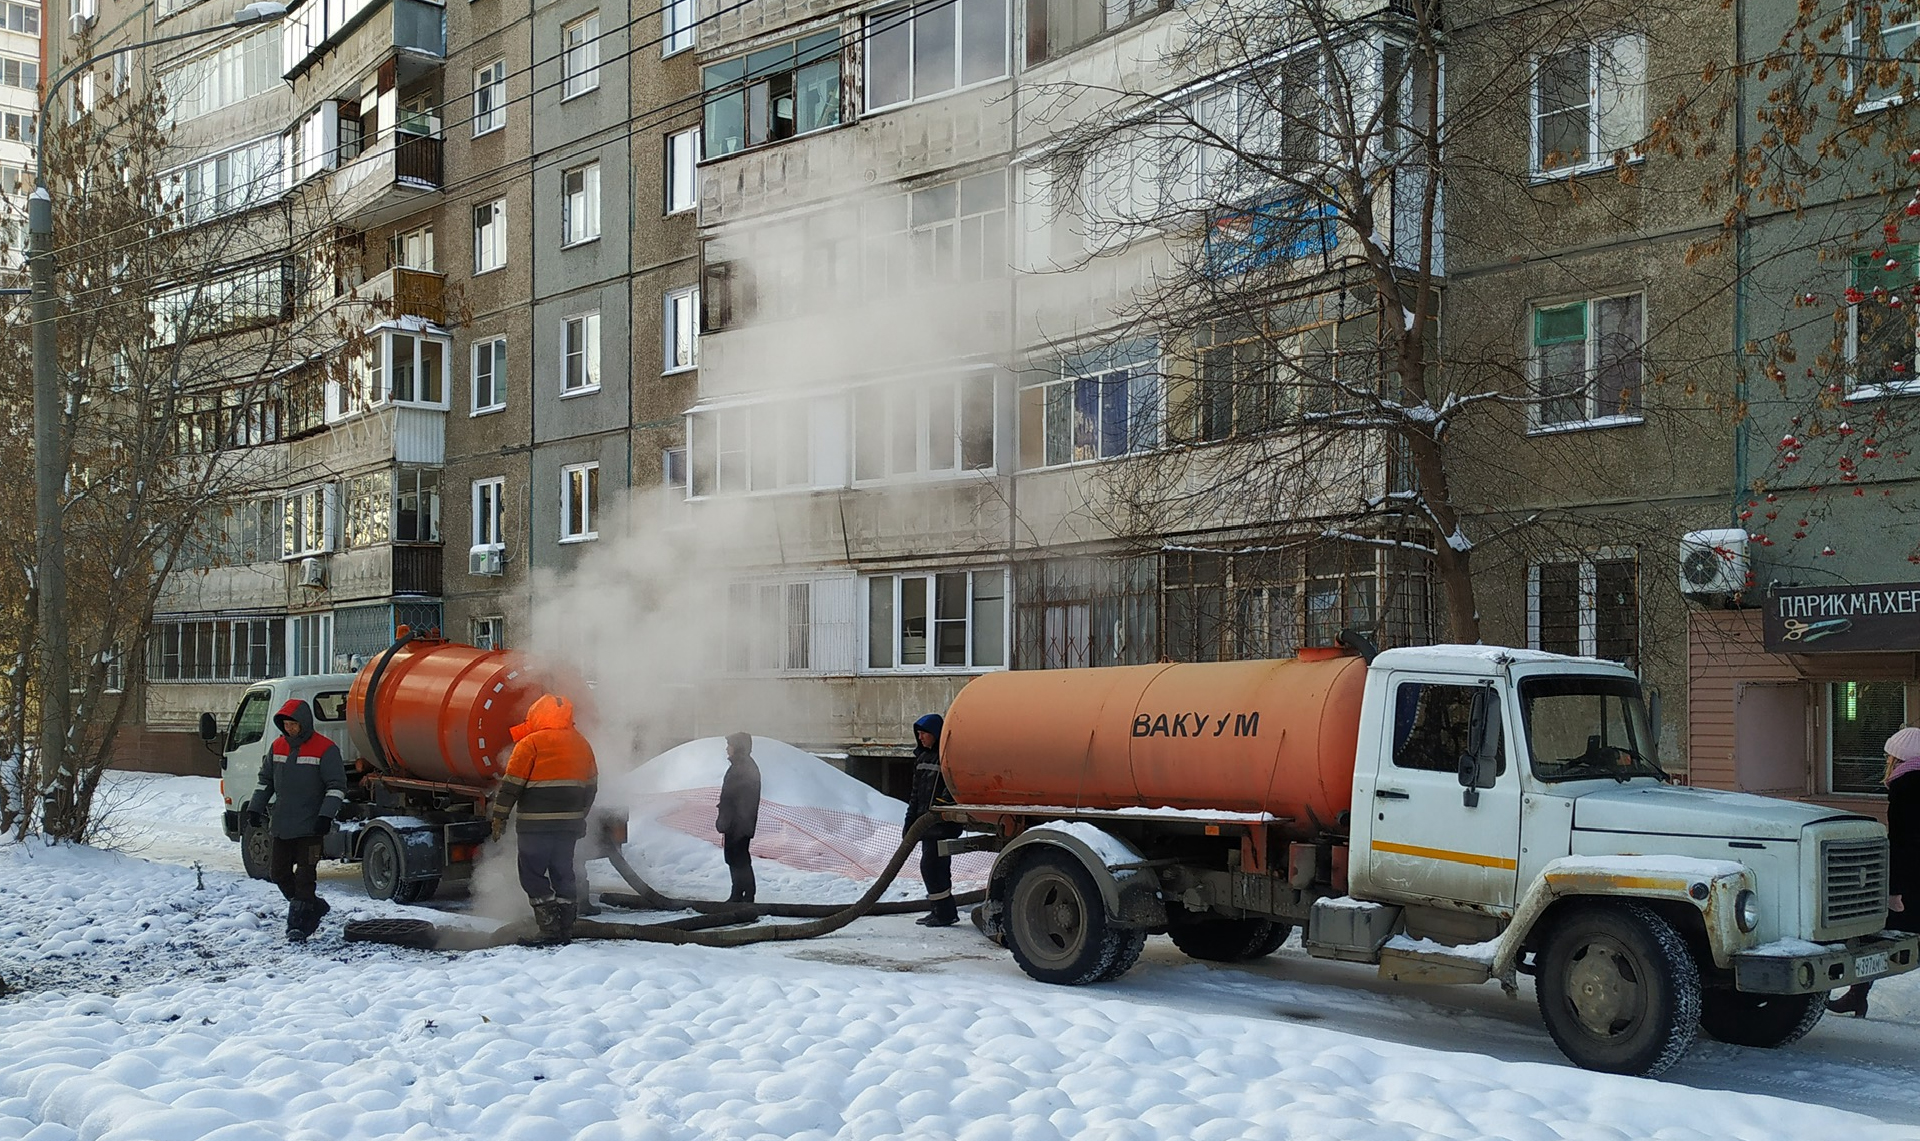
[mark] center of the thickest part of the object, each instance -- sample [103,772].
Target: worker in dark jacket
[739,814]
[929,793]
[304,784]
[1902,780]
[549,788]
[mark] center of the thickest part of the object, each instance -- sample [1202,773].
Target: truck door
[240,755]
[1427,844]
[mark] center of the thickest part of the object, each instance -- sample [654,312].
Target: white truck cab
[248,736]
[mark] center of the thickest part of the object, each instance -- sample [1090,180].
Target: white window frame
[588,476]
[683,175]
[580,336]
[493,351]
[490,237]
[957,12]
[299,510]
[580,205]
[1589,604]
[309,644]
[1595,417]
[488,632]
[1142,437]
[580,57]
[1616,108]
[489,514]
[1868,388]
[920,393]
[420,341]
[1910,30]
[895,637]
[680,330]
[678,20]
[490,98]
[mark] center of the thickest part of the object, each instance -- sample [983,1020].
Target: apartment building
[19,116]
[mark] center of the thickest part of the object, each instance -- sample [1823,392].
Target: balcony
[416,568]
[399,175]
[403,292]
[361,33]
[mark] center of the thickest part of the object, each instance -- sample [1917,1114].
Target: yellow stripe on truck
[1476,860]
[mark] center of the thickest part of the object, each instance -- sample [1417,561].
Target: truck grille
[1853,881]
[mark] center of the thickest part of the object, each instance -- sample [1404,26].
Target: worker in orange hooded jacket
[549,788]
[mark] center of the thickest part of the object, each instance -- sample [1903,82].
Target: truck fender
[1129,889]
[1710,887]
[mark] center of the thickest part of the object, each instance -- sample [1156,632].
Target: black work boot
[316,911]
[565,911]
[297,929]
[546,922]
[944,914]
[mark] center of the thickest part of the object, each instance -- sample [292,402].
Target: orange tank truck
[1275,737]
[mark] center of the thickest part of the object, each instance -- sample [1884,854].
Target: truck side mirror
[209,728]
[1480,764]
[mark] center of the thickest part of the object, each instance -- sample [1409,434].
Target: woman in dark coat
[1903,852]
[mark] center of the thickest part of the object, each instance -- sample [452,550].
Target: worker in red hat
[302,786]
[548,788]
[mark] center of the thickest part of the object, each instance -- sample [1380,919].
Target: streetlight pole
[49,444]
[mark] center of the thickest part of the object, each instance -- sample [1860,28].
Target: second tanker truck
[424,729]
[1450,813]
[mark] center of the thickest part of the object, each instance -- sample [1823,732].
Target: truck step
[1424,961]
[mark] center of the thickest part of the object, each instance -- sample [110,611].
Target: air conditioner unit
[1713,562]
[485,560]
[313,573]
[79,22]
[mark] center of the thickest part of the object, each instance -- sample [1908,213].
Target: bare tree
[1295,177]
[192,328]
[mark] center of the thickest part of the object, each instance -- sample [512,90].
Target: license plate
[1867,966]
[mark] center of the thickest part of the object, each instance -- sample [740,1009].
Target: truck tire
[1618,989]
[1058,928]
[1229,940]
[1767,1021]
[256,852]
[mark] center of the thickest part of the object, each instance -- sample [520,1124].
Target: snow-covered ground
[159,1002]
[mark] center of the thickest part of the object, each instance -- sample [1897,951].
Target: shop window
[1861,715]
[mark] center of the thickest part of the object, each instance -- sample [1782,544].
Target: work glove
[326,821]
[253,818]
[496,828]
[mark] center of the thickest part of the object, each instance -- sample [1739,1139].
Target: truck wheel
[1229,940]
[380,865]
[1057,924]
[256,852]
[1767,1021]
[415,891]
[1618,990]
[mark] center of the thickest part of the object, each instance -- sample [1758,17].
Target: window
[239,649]
[673,468]
[769,627]
[1101,405]
[413,249]
[1085,612]
[1589,104]
[580,367]
[369,511]
[416,505]
[922,50]
[1880,334]
[233,180]
[678,22]
[774,446]
[235,72]
[490,97]
[683,175]
[418,366]
[1588,607]
[310,644]
[1881,63]
[682,329]
[1341,591]
[489,375]
[489,236]
[1861,715]
[579,502]
[580,56]
[941,426]
[21,73]
[16,128]
[942,620]
[580,204]
[489,512]
[22,18]
[772,94]
[488,633]
[306,522]
[1055,27]
[1586,362]
[1432,723]
[959,231]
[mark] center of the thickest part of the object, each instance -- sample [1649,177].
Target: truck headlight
[1746,911]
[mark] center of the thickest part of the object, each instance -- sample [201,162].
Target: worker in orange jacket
[549,788]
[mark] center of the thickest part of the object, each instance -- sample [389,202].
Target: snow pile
[823,835]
